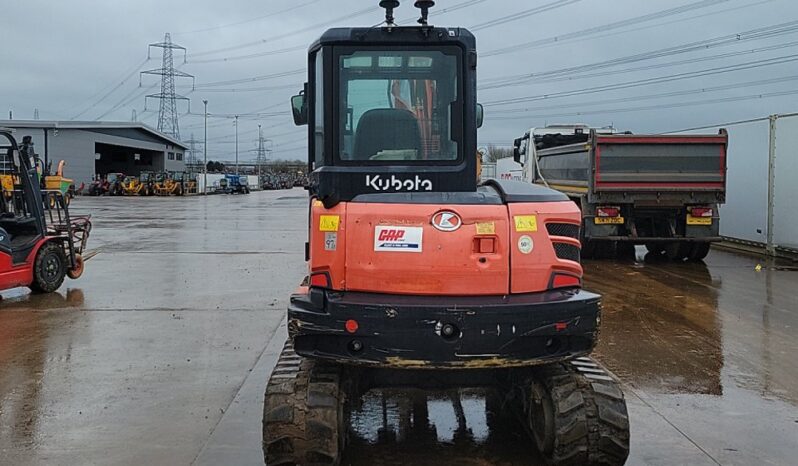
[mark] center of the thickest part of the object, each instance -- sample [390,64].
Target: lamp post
[260,150]
[236,123]
[205,152]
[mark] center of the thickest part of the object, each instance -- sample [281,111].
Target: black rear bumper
[411,331]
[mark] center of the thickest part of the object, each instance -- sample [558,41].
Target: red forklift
[418,275]
[40,243]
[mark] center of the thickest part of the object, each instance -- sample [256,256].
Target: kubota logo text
[378,183]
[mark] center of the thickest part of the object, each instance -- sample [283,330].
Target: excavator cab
[415,269]
[390,109]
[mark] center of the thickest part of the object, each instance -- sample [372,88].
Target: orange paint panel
[532,253]
[394,248]
[328,242]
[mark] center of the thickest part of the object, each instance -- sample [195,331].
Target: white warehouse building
[98,148]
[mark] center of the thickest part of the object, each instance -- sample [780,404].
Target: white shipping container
[213,181]
[745,214]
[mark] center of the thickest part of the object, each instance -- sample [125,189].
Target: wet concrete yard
[160,353]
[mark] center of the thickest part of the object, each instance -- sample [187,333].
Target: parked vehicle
[420,277]
[662,191]
[40,243]
[115,183]
[237,184]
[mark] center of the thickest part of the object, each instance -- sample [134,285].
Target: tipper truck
[662,191]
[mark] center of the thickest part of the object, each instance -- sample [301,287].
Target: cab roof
[396,35]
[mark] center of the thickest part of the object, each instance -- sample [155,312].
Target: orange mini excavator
[418,274]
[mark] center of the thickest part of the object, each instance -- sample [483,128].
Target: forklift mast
[29,205]
[390,109]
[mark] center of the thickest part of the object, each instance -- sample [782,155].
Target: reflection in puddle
[409,426]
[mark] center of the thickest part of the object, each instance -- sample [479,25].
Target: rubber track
[302,412]
[591,420]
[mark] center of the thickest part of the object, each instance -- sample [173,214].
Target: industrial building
[97,148]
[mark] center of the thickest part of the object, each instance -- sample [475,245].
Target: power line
[252,55]
[605,27]
[672,63]
[287,34]
[644,82]
[264,77]
[681,21]
[295,48]
[112,90]
[703,90]
[255,89]
[766,32]
[437,13]
[655,107]
[251,20]
[526,13]
[128,98]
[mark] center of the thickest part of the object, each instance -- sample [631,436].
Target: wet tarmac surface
[160,353]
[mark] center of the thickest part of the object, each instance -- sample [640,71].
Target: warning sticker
[398,239]
[330,241]
[486,228]
[328,222]
[526,223]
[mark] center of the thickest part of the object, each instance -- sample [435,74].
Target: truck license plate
[608,220]
[698,220]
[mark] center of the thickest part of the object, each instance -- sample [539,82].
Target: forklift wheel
[49,268]
[78,270]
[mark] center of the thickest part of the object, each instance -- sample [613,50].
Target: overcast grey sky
[80,59]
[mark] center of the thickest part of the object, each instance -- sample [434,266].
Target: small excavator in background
[142,185]
[418,275]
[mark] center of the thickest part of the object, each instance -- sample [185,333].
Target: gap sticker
[330,241]
[398,239]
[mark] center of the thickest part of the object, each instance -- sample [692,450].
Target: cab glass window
[398,105]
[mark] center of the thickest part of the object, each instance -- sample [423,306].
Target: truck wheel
[606,249]
[588,249]
[49,268]
[678,250]
[699,251]
[576,414]
[626,250]
[655,248]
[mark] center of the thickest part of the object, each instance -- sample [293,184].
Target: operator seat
[386,129]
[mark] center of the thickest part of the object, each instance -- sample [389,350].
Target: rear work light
[607,211]
[563,280]
[701,212]
[320,279]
